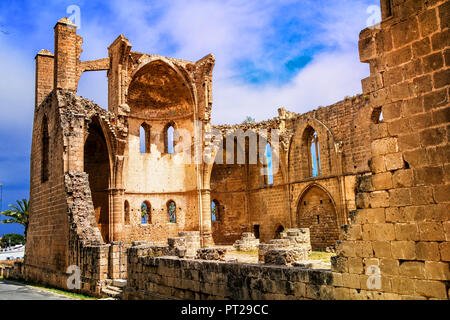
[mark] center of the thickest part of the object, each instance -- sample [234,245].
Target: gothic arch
[298,168]
[158,89]
[316,210]
[98,165]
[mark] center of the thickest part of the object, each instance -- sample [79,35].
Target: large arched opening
[316,211]
[97,166]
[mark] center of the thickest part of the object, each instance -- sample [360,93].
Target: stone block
[403,250]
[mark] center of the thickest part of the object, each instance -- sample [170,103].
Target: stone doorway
[97,166]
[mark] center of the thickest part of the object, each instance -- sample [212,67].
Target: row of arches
[145,138]
[145,212]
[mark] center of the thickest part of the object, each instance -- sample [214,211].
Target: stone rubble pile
[211,254]
[248,242]
[294,244]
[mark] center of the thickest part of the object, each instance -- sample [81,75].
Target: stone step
[112,291]
[114,288]
[121,283]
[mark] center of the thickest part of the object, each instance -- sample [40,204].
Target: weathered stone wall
[246,199]
[48,230]
[173,278]
[401,224]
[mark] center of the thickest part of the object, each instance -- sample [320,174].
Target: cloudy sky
[269,54]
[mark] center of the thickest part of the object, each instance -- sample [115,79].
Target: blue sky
[269,54]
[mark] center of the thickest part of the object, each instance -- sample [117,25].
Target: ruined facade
[375,187]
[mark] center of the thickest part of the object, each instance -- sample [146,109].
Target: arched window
[45,150]
[144,138]
[268,177]
[145,212]
[215,210]
[126,212]
[172,211]
[314,154]
[168,134]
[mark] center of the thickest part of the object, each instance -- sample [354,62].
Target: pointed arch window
[45,150]
[172,211]
[215,210]
[169,142]
[145,212]
[314,154]
[268,177]
[144,138]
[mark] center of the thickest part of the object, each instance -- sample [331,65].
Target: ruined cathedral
[368,175]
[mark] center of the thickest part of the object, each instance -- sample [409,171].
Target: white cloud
[326,80]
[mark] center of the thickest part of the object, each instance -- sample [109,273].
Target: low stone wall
[12,270]
[174,278]
[165,277]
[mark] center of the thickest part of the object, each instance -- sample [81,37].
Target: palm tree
[18,214]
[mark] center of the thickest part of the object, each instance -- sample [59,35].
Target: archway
[97,166]
[278,232]
[316,211]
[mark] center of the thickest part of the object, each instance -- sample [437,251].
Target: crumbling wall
[401,225]
[173,278]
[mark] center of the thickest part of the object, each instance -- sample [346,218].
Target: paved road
[17,291]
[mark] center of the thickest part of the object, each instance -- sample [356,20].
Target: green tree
[249,119]
[12,239]
[18,214]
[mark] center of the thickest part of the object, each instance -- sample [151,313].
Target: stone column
[117,208]
[117,214]
[206,235]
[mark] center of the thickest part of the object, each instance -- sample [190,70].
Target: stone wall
[401,225]
[173,278]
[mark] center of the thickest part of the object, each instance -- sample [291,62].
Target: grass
[252,253]
[74,295]
[321,255]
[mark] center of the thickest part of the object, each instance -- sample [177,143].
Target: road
[17,291]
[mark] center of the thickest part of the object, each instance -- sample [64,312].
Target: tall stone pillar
[118,53]
[44,75]
[67,51]
[116,214]
[117,207]
[206,235]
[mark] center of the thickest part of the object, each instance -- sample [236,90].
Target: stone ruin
[294,246]
[383,173]
[248,242]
